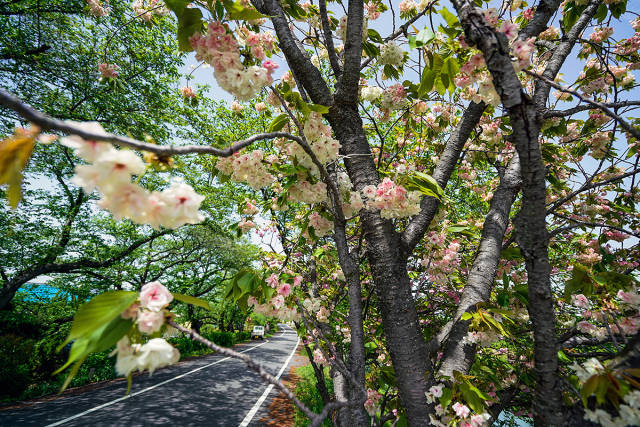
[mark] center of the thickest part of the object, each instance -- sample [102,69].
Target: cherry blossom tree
[455,204]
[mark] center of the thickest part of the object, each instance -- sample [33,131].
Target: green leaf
[422,38]
[445,399]
[617,9]
[471,397]
[451,19]
[522,293]
[268,292]
[99,340]
[278,123]
[188,299]
[374,36]
[458,229]
[245,281]
[237,12]
[580,282]
[614,280]
[177,6]
[426,184]
[426,82]
[451,66]
[318,108]
[466,316]
[601,13]
[96,313]
[189,22]
[441,88]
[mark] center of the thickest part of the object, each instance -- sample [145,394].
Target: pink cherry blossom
[461,410]
[150,321]
[284,289]
[155,296]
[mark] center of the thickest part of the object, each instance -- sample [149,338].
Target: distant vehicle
[258,332]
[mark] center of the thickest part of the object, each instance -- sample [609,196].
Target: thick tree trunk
[392,285]
[531,231]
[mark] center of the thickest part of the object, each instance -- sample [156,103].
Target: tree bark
[392,285]
[458,355]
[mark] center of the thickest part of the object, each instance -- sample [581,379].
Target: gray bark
[458,356]
[389,271]
[531,231]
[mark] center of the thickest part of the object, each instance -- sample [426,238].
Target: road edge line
[252,412]
[120,399]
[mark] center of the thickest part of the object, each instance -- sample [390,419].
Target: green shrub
[242,336]
[224,339]
[15,371]
[306,389]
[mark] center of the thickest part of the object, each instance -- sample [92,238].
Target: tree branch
[599,105]
[46,122]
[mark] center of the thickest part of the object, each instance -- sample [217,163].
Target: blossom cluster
[110,171]
[393,200]
[305,192]
[96,8]
[188,92]
[318,136]
[147,9]
[371,404]
[247,167]
[148,313]
[108,71]
[321,226]
[258,43]
[394,97]
[391,54]
[371,93]
[220,49]
[407,6]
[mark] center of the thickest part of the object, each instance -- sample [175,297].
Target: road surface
[206,391]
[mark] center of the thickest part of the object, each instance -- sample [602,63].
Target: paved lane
[207,391]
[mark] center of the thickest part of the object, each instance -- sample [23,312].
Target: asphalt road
[206,391]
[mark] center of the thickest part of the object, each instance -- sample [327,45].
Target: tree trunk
[457,355]
[392,285]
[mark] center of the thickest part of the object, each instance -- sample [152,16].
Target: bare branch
[579,108]
[267,377]
[46,122]
[599,105]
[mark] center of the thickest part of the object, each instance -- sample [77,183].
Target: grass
[306,390]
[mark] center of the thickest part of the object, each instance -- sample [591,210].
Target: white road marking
[254,410]
[104,405]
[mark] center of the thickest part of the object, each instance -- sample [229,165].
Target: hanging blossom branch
[632,130]
[316,419]
[302,141]
[46,122]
